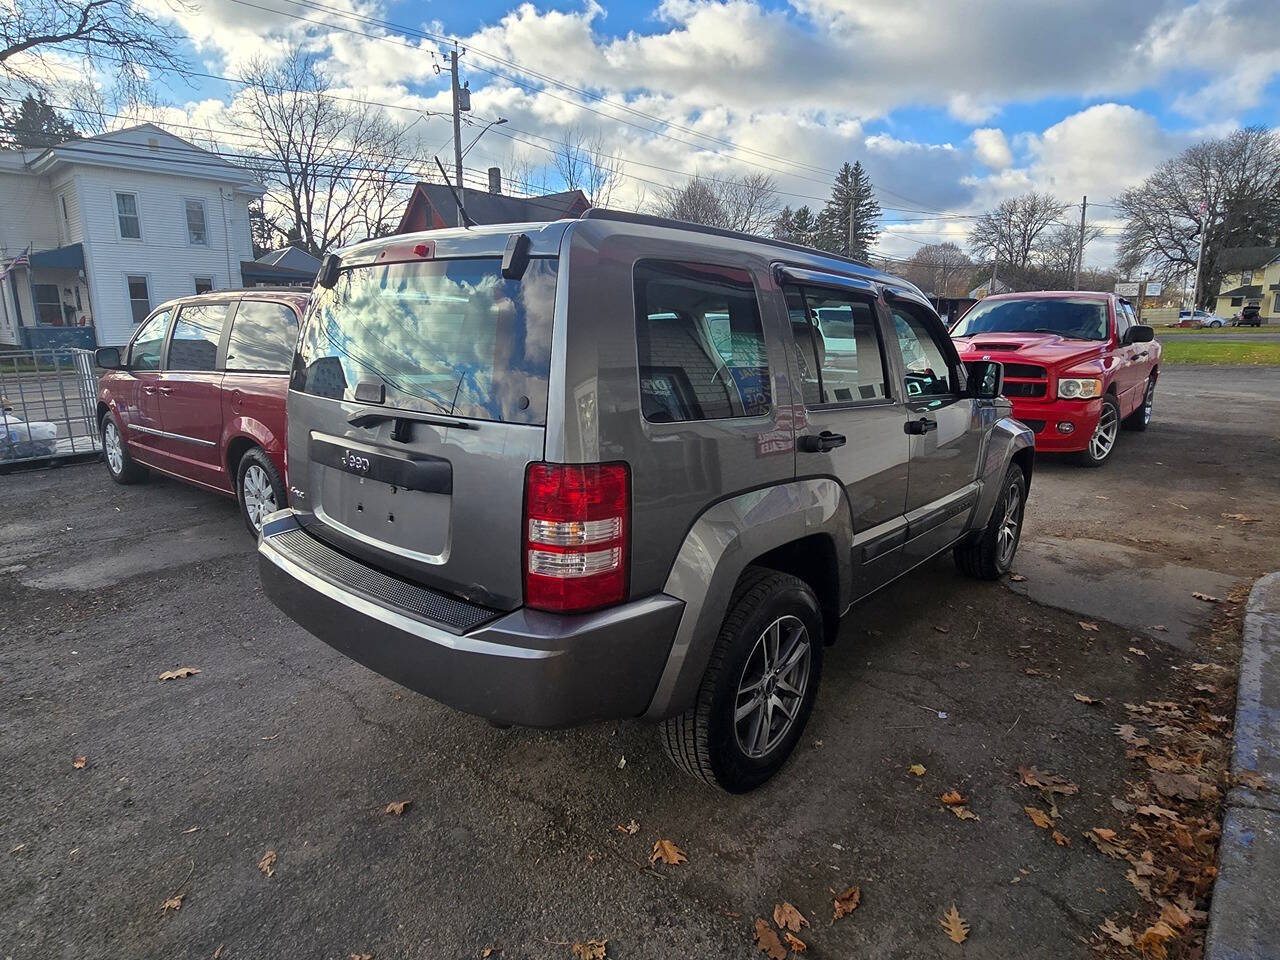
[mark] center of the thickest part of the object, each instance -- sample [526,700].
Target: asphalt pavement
[510,841]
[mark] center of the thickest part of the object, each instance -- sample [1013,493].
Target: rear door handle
[166,390]
[822,442]
[920,427]
[149,391]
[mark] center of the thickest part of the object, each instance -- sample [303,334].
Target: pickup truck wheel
[1140,419]
[990,555]
[259,489]
[1103,441]
[758,689]
[122,467]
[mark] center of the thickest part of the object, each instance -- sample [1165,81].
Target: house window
[127,216]
[66,218]
[1246,278]
[204,284]
[139,297]
[1237,301]
[197,234]
[48,304]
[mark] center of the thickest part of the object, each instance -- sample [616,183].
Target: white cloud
[992,148]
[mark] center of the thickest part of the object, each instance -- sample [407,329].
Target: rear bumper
[1046,420]
[524,667]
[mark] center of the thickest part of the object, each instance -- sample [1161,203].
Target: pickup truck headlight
[1073,389]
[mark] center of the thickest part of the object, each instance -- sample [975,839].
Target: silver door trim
[173,436]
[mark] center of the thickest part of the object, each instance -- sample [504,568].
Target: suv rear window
[444,336]
[700,344]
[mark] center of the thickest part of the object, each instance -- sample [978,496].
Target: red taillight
[575,535]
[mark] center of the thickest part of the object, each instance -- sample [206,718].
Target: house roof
[489,208]
[1252,291]
[1247,258]
[290,257]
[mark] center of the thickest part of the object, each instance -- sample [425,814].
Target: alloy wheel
[1104,434]
[772,687]
[1007,534]
[258,495]
[1148,402]
[114,451]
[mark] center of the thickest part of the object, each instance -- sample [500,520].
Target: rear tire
[122,467]
[1105,435]
[1140,419]
[759,687]
[258,488]
[990,555]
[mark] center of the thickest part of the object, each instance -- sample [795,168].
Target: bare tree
[584,165]
[941,269]
[334,173]
[1231,184]
[118,36]
[747,203]
[1011,233]
[1059,250]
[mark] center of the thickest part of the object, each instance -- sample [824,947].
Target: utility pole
[1195,283]
[457,129]
[1084,205]
[995,262]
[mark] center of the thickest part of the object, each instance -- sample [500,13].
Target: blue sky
[951,107]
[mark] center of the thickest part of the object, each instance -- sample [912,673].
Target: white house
[96,232]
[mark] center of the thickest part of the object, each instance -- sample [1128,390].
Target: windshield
[1076,318]
[443,336]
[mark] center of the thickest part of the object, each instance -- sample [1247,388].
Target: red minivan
[199,394]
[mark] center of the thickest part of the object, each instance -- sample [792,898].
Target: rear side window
[263,336]
[838,345]
[700,343]
[443,336]
[196,333]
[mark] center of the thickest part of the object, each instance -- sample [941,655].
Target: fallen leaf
[1251,779]
[1086,699]
[954,925]
[180,673]
[847,902]
[1061,839]
[268,863]
[941,629]
[595,950]
[79,762]
[1150,810]
[1182,785]
[1017,577]
[767,941]
[630,829]
[917,769]
[788,917]
[1086,625]
[488,952]
[1161,628]
[622,763]
[1105,841]
[174,903]
[795,943]
[1142,886]
[1121,935]
[1205,597]
[668,853]
[1039,818]
[191,830]
[1175,917]
[964,813]
[217,953]
[361,956]
[1151,943]
[398,807]
[1241,518]
[953,798]
[1121,805]
[1048,782]
[1129,734]
[1138,652]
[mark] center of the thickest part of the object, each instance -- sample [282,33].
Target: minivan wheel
[759,686]
[259,489]
[122,467]
[990,555]
[1140,419]
[1105,433]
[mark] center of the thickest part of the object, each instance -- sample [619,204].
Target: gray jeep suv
[623,466]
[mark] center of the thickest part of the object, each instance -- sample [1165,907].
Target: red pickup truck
[1077,366]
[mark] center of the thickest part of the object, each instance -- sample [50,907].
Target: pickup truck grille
[1025,380]
[1024,370]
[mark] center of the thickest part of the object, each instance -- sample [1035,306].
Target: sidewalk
[1243,920]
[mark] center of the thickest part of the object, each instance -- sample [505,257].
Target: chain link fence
[49,399]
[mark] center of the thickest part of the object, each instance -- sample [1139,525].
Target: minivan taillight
[575,535]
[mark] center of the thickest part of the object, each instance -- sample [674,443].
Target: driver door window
[928,372]
[147,346]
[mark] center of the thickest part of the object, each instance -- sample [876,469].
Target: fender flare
[725,539]
[1006,438]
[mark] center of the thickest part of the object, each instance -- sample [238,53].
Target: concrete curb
[1243,919]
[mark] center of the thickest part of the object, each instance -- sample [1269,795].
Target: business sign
[1154,288]
[1127,289]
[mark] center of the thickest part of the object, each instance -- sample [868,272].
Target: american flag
[21,260]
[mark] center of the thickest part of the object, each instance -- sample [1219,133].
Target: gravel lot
[279,744]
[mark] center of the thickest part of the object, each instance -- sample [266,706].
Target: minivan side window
[839,346]
[263,335]
[928,372]
[195,337]
[700,343]
[147,345]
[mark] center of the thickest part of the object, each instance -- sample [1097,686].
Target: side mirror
[1139,333]
[986,379]
[108,358]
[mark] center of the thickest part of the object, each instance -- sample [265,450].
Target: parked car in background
[1201,318]
[199,394]
[1077,366]
[1250,316]
[623,467]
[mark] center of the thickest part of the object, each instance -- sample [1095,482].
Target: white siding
[26,214]
[72,230]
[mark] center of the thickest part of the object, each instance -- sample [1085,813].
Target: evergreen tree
[804,226]
[784,226]
[850,222]
[34,124]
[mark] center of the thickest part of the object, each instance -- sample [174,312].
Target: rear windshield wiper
[403,419]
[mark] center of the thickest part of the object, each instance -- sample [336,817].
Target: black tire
[988,556]
[1215,324]
[257,470]
[1088,457]
[1140,419]
[703,740]
[124,469]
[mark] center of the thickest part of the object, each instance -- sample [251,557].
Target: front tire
[1103,442]
[990,555]
[759,687]
[1215,324]
[122,467]
[258,488]
[1140,419]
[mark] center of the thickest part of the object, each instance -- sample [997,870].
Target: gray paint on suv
[642,475]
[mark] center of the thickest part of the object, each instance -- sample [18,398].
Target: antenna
[466,219]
